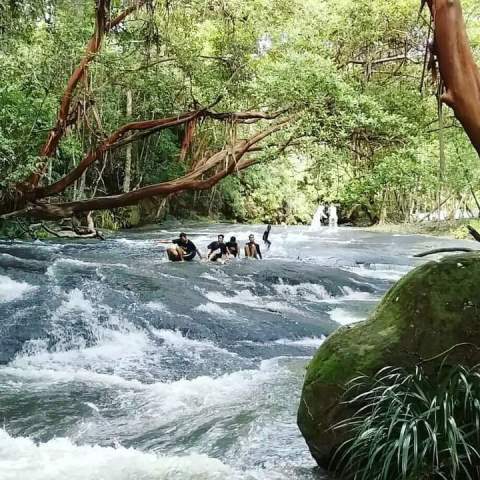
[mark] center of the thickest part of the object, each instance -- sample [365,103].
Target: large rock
[428,311]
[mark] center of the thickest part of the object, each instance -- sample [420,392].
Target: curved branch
[112,142]
[457,66]
[123,15]
[474,233]
[118,138]
[102,26]
[444,250]
[247,116]
[193,180]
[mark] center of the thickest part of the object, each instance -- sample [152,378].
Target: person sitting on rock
[252,249]
[232,247]
[217,249]
[184,249]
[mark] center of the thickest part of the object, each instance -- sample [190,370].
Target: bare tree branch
[102,26]
[444,250]
[230,160]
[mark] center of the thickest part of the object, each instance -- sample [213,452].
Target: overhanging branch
[458,70]
[120,138]
[230,160]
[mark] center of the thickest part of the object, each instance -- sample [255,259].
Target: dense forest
[249,110]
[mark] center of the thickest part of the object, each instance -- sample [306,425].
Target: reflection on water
[117,364]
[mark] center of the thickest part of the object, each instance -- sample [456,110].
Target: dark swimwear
[217,246]
[188,247]
[232,248]
[265,239]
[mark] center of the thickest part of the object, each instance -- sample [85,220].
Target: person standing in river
[252,249]
[265,239]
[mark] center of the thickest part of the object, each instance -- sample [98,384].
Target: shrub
[412,425]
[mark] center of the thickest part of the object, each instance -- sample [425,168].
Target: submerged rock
[431,309]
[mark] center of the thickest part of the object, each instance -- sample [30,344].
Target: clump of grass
[412,426]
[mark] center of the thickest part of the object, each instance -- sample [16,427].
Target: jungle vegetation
[253,110]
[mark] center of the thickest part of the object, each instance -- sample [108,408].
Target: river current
[118,365]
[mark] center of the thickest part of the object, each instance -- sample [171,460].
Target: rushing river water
[118,365]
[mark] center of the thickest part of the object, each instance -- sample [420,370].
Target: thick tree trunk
[458,70]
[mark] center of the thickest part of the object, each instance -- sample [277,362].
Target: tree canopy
[337,91]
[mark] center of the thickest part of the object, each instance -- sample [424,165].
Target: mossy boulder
[433,308]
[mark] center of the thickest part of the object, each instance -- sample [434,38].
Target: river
[118,365]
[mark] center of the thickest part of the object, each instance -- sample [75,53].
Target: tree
[346,74]
[28,196]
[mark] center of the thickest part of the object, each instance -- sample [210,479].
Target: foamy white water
[60,459]
[308,291]
[215,309]
[11,290]
[344,317]
[117,364]
[304,342]
[246,297]
[384,272]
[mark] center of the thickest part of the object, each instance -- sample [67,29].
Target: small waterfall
[317,218]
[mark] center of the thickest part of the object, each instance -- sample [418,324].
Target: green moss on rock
[428,311]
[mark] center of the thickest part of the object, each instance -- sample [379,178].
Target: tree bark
[474,233]
[187,138]
[102,26]
[458,70]
[230,160]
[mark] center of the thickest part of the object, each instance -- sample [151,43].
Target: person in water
[265,239]
[252,249]
[217,249]
[184,249]
[232,247]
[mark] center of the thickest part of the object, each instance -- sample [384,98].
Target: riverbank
[456,229]
[451,229]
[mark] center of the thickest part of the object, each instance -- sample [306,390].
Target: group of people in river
[184,250]
[327,215]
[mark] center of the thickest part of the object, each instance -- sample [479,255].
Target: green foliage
[364,135]
[418,425]
[260,197]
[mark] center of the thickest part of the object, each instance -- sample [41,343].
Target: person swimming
[252,249]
